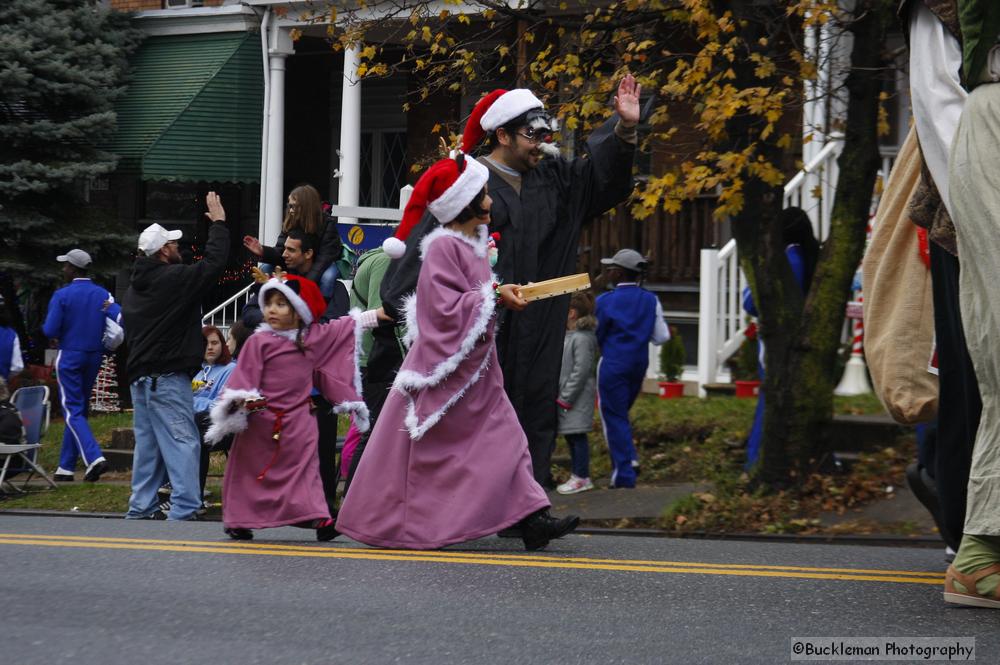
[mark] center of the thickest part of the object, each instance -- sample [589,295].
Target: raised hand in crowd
[216,213]
[627,101]
[253,245]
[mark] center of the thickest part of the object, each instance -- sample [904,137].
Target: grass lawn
[685,439]
[110,495]
[694,440]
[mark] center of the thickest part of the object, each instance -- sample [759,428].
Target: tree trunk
[801,335]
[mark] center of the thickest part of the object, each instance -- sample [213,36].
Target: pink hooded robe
[447,461]
[269,483]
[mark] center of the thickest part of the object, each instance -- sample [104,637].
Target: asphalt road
[108,591]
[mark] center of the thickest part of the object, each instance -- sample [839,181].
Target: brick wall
[140,5]
[136,5]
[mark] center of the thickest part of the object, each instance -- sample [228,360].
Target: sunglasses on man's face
[536,135]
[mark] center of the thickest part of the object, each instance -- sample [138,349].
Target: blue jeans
[579,454]
[167,446]
[326,282]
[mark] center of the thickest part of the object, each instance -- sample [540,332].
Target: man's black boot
[540,527]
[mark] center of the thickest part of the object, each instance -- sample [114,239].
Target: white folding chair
[32,403]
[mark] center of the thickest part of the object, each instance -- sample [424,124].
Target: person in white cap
[75,320]
[539,207]
[162,310]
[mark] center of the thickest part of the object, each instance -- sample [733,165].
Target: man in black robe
[539,208]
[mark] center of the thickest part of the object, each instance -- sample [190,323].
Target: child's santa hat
[303,294]
[495,110]
[445,189]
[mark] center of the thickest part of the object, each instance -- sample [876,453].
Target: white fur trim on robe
[226,422]
[344,392]
[408,381]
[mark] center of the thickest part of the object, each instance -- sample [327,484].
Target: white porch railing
[223,316]
[720,320]
[721,324]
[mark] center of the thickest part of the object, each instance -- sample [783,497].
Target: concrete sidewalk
[899,510]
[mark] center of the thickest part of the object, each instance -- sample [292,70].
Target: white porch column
[350,133]
[708,320]
[280,48]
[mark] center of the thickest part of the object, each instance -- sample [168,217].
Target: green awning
[193,109]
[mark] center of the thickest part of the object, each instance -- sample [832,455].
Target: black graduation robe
[539,236]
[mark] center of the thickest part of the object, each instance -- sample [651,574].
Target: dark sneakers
[541,527]
[94,471]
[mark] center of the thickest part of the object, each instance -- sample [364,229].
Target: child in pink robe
[448,461]
[272,476]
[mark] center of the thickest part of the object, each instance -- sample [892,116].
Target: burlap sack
[898,309]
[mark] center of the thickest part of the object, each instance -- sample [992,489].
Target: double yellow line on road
[552,561]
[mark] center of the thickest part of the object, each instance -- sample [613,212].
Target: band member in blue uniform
[76,319]
[629,318]
[11,362]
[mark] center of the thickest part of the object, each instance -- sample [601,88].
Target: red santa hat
[495,110]
[303,294]
[445,189]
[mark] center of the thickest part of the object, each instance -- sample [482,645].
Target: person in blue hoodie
[76,319]
[629,318]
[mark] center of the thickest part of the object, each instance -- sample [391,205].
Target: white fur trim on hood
[300,306]
[479,244]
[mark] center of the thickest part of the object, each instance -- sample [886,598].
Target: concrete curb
[818,539]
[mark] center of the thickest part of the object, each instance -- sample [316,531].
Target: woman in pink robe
[448,461]
[272,476]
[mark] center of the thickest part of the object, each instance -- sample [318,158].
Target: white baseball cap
[154,237]
[76,257]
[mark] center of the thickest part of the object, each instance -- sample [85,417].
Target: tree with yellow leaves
[729,77]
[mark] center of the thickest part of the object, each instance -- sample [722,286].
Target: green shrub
[672,356]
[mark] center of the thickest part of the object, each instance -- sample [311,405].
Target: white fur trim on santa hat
[454,199]
[508,106]
[301,308]
[394,247]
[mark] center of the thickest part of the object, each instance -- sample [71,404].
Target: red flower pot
[747,388]
[671,389]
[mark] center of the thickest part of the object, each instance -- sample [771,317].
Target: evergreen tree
[63,63]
